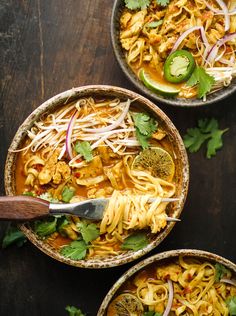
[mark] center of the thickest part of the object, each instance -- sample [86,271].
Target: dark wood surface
[48,46]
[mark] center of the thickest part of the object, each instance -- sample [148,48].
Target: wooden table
[51,46]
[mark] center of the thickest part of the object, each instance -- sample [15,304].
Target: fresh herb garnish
[135,242]
[154,24]
[73,311]
[208,129]
[76,250]
[137,4]
[28,193]
[143,4]
[88,231]
[13,236]
[231,304]
[145,127]
[62,222]
[203,81]
[221,271]
[45,227]
[151,313]
[84,149]
[67,194]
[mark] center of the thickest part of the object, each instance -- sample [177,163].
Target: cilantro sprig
[88,231]
[143,4]
[76,250]
[13,236]
[74,311]
[145,127]
[207,130]
[135,242]
[84,149]
[221,271]
[231,304]
[202,80]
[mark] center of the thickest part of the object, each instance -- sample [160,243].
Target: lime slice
[155,86]
[156,160]
[125,304]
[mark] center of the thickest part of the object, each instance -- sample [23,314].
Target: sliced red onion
[215,48]
[187,32]
[221,12]
[228,281]
[170,298]
[69,134]
[111,126]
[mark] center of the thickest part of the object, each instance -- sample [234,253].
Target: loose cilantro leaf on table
[203,81]
[231,304]
[207,130]
[84,149]
[13,236]
[73,311]
[88,231]
[221,271]
[145,127]
[45,227]
[67,194]
[76,250]
[137,4]
[135,242]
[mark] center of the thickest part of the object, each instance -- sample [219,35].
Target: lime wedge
[126,304]
[156,160]
[157,87]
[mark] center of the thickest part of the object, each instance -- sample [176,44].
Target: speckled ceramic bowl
[181,102]
[181,161]
[159,258]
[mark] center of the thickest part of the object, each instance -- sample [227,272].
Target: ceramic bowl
[180,102]
[181,161]
[159,259]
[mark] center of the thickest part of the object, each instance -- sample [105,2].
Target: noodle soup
[109,147]
[184,284]
[183,49]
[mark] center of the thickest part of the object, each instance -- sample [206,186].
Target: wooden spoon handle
[22,208]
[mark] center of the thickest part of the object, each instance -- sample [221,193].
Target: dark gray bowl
[115,29]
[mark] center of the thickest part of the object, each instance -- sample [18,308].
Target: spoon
[25,208]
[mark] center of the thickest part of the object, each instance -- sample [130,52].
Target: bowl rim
[67,96]
[202,254]
[214,97]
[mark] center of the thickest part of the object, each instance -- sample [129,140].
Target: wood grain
[22,208]
[48,47]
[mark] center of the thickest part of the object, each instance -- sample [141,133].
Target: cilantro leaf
[207,130]
[67,194]
[215,142]
[151,313]
[203,81]
[144,123]
[76,250]
[194,139]
[145,126]
[221,271]
[73,311]
[231,304]
[135,242]
[142,139]
[88,231]
[13,236]
[28,193]
[162,3]
[84,149]
[45,227]
[137,4]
